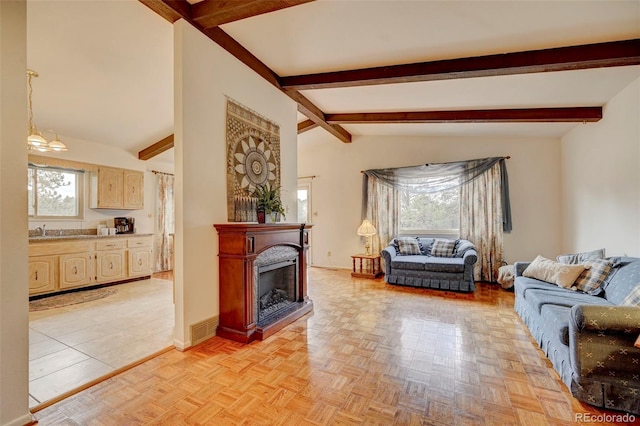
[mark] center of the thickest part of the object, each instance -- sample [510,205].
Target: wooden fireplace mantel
[239,246]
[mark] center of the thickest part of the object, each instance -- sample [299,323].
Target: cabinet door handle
[110,245]
[139,262]
[111,265]
[110,187]
[75,270]
[36,275]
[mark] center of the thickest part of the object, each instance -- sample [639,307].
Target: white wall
[14,320]
[204,75]
[601,179]
[534,179]
[105,155]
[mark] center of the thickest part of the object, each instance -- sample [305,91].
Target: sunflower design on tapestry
[253,159]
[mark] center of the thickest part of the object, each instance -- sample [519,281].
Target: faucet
[41,230]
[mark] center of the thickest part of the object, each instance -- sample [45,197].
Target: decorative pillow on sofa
[592,278]
[553,272]
[575,258]
[462,246]
[443,248]
[633,299]
[407,246]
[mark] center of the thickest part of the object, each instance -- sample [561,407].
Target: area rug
[70,299]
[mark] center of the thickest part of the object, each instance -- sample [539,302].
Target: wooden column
[239,246]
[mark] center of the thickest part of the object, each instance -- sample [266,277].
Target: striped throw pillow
[592,278]
[443,248]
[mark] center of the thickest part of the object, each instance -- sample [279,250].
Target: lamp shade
[366,229]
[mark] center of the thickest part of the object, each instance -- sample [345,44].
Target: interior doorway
[305,211]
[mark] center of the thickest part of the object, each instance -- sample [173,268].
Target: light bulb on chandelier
[35,140]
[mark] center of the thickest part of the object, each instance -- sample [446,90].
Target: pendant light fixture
[35,140]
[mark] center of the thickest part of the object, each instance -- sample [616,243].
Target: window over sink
[55,192]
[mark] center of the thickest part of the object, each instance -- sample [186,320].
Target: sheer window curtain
[165,222]
[484,203]
[381,208]
[481,221]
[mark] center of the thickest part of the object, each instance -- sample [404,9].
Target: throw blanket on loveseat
[444,264]
[587,328]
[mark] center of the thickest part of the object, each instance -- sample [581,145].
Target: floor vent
[203,330]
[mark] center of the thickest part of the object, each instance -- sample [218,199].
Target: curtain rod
[307,177]
[505,157]
[161,173]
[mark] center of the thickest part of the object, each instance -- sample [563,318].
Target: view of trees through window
[439,211]
[53,192]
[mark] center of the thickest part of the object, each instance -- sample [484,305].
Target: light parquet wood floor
[370,353]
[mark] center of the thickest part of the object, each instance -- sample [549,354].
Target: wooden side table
[366,266]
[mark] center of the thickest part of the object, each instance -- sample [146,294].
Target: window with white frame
[55,193]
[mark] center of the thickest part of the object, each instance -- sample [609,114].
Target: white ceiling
[106,67]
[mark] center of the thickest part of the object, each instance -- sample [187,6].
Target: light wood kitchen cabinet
[109,189]
[110,266]
[73,263]
[139,262]
[133,190]
[110,260]
[42,274]
[76,269]
[114,188]
[140,256]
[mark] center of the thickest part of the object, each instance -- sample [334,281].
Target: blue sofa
[589,338]
[453,271]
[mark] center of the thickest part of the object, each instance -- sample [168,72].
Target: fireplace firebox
[277,286]
[263,278]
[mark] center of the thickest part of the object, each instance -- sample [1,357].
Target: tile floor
[73,345]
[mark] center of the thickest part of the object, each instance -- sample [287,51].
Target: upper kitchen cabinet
[114,188]
[133,189]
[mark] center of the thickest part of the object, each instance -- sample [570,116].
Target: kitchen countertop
[81,237]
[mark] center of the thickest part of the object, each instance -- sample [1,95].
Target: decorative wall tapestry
[253,158]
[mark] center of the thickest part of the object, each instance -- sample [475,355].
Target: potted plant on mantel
[269,204]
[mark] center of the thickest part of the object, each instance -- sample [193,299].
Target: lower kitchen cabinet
[74,263]
[42,274]
[76,270]
[110,266]
[139,262]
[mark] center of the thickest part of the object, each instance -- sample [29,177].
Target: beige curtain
[382,211]
[165,222]
[481,221]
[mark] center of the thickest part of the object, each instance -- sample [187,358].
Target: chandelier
[36,141]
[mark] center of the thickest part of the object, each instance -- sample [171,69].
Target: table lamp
[367,230]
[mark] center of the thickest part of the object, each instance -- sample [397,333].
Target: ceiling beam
[211,13]
[305,125]
[598,55]
[157,148]
[525,115]
[171,10]
[229,44]
[306,107]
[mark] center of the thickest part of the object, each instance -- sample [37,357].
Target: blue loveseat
[446,269]
[589,338]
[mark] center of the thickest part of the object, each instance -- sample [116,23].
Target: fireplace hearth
[263,278]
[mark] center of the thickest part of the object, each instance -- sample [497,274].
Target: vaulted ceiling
[355,67]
